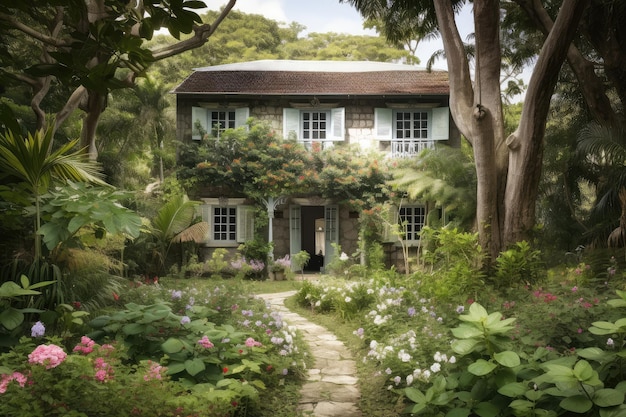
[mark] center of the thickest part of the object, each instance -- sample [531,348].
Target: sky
[332,16]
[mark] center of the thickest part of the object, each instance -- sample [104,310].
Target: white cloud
[272,9]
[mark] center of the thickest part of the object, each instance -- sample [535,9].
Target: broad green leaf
[466,332]
[594,354]
[175,368]
[513,390]
[507,358]
[481,367]
[608,397]
[414,395]
[534,395]
[194,366]
[172,345]
[521,405]
[576,404]
[486,409]
[11,318]
[464,346]
[459,412]
[10,289]
[133,328]
[613,411]
[583,370]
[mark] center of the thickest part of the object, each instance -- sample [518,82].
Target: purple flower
[285,371]
[38,330]
[185,320]
[411,311]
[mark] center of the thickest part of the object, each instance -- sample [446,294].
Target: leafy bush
[95,380]
[518,266]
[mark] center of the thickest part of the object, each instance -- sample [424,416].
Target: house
[393,108]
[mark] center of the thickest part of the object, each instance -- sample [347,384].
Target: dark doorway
[309,228]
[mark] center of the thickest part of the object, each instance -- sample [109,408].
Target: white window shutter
[390,225]
[337,124]
[441,123]
[241,116]
[383,123]
[291,122]
[205,210]
[245,223]
[199,114]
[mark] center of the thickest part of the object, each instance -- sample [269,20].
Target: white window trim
[244,223]
[385,129]
[203,114]
[335,131]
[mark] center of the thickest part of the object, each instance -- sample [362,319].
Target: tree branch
[200,37]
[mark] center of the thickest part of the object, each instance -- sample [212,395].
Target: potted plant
[281,267]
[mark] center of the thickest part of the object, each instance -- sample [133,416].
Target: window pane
[225,223]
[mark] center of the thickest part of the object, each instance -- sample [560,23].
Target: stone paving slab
[331,388]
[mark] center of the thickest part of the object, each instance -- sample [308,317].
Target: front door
[313,229]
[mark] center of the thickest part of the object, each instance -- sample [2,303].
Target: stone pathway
[331,387]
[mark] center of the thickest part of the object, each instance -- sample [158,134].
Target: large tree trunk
[526,144]
[478,111]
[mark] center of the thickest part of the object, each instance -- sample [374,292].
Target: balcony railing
[401,148]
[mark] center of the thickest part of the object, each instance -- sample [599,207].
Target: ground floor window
[225,224]
[412,220]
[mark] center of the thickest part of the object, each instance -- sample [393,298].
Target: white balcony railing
[407,148]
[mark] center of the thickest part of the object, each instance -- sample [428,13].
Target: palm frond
[195,233]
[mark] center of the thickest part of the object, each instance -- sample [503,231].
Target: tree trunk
[526,143]
[478,111]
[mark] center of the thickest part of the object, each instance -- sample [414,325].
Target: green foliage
[299,260]
[16,301]
[520,265]
[96,380]
[445,176]
[69,209]
[455,261]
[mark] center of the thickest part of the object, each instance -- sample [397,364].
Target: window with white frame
[412,219]
[215,121]
[309,126]
[409,131]
[224,224]
[229,224]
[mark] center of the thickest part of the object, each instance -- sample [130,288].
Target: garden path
[331,387]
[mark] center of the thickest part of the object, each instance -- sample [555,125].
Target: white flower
[373,344]
[343,256]
[452,359]
[348,299]
[409,379]
[610,342]
[435,367]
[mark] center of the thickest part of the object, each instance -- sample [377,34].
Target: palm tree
[174,224]
[602,149]
[30,160]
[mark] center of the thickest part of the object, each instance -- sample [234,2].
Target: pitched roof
[283,77]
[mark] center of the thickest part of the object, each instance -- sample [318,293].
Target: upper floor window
[309,126]
[215,121]
[409,131]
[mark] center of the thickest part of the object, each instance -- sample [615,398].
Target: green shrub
[519,266]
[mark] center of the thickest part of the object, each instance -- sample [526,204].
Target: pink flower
[101,375]
[154,372]
[16,376]
[85,346]
[49,355]
[250,342]
[205,343]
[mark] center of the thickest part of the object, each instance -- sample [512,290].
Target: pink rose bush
[50,356]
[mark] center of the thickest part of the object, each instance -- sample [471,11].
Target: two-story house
[393,108]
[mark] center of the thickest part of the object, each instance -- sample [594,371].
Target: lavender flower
[38,330]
